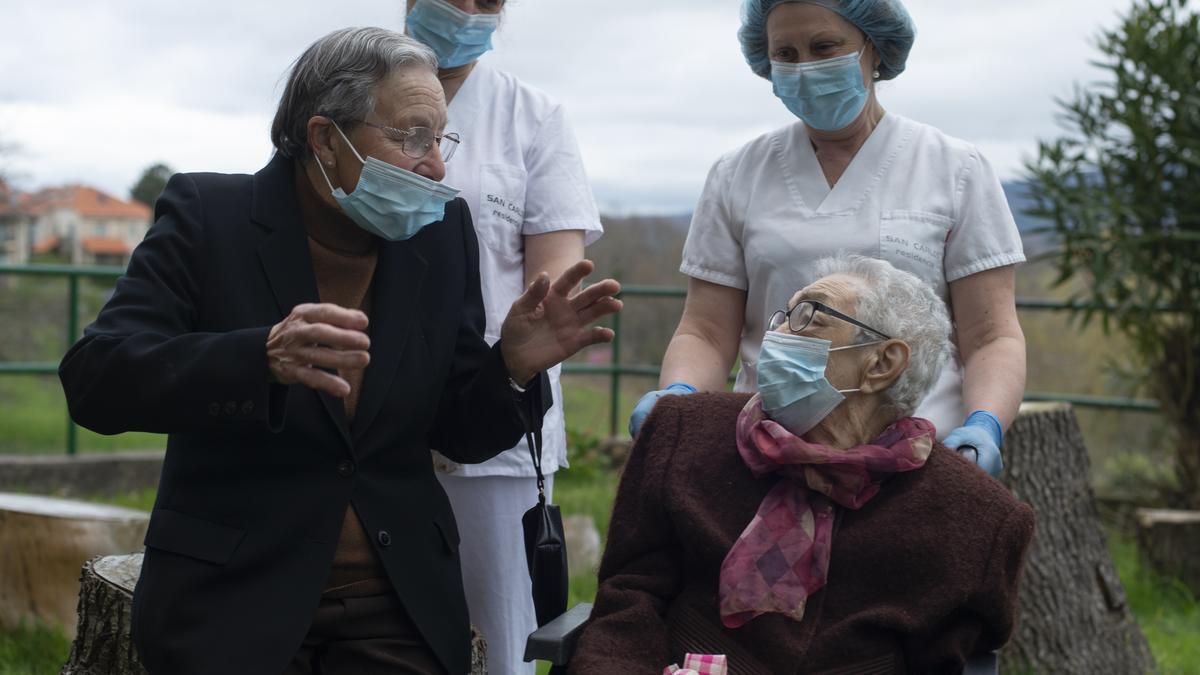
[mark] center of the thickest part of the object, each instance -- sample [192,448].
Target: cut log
[43,542]
[1169,543]
[103,644]
[1074,618]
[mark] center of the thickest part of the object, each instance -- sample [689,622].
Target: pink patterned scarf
[782,556]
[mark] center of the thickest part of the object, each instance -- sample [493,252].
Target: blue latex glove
[979,439]
[646,403]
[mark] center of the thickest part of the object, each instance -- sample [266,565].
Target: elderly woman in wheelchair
[814,526]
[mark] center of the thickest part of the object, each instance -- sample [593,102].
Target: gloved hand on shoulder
[646,403]
[979,439]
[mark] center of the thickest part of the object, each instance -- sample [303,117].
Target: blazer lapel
[395,306]
[284,254]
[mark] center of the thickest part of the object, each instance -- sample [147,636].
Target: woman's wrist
[989,422]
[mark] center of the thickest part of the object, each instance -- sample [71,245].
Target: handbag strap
[533,438]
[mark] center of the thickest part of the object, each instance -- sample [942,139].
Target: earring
[877,74]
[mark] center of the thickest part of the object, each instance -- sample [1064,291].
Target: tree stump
[43,541]
[1074,618]
[103,644]
[1169,542]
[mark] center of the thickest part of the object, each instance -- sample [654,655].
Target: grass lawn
[33,419]
[33,415]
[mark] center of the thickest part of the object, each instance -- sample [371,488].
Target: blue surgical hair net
[885,22]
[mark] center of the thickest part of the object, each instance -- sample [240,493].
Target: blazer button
[230,407]
[247,408]
[385,539]
[345,468]
[214,408]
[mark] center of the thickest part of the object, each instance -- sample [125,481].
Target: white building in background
[85,225]
[14,230]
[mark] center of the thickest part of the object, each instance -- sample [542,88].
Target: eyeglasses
[798,317]
[418,141]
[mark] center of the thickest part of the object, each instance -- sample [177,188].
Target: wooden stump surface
[1074,617]
[103,644]
[43,543]
[1169,542]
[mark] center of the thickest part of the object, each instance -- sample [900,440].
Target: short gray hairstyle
[906,308]
[335,77]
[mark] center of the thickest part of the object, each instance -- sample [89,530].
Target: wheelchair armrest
[983,664]
[555,642]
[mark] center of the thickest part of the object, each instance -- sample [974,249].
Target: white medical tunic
[521,173]
[923,201]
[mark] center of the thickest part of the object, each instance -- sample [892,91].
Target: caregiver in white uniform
[850,177]
[519,168]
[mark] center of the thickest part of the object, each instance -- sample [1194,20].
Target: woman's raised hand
[548,324]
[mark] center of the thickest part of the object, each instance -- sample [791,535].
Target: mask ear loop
[356,155]
[352,149]
[864,344]
[325,176]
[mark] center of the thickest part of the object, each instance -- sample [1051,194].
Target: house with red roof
[86,225]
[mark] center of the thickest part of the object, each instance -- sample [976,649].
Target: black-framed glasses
[798,317]
[416,142]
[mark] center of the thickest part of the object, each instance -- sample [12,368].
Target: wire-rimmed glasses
[798,317]
[416,142]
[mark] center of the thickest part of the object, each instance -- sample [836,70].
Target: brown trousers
[364,636]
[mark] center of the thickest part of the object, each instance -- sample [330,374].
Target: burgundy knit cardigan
[922,577]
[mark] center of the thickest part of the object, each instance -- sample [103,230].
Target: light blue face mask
[456,37]
[828,95]
[388,201]
[792,383]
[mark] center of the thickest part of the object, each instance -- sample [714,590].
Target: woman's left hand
[548,324]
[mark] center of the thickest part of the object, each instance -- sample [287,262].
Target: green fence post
[615,394]
[72,333]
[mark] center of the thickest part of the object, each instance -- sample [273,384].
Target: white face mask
[390,202]
[792,382]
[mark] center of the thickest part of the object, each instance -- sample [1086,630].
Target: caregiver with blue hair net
[849,177]
[520,171]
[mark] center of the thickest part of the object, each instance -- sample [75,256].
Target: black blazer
[257,476]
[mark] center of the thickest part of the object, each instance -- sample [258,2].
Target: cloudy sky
[94,92]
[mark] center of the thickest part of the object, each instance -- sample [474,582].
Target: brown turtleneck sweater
[343,260]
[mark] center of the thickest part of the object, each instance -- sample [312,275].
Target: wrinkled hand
[316,336]
[976,444]
[546,325]
[646,403]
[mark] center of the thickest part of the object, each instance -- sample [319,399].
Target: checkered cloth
[699,664]
[782,557]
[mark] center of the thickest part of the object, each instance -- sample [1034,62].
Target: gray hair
[335,77]
[906,308]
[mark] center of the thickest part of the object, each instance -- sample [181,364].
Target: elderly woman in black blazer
[304,336]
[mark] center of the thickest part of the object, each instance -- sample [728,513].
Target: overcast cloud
[657,89]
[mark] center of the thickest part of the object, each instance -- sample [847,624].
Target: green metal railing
[614,370]
[72,273]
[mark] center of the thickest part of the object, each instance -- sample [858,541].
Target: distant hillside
[1019,201]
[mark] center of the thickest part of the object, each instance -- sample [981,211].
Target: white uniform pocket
[915,241]
[500,214]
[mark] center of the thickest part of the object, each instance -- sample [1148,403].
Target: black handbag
[545,542]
